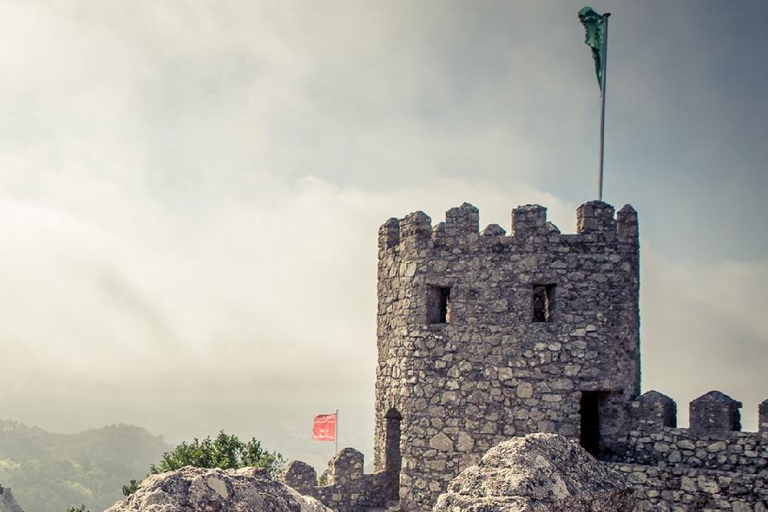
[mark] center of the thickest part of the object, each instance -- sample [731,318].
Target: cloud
[261,299]
[703,329]
[190,195]
[271,303]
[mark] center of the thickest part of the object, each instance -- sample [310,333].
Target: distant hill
[49,472]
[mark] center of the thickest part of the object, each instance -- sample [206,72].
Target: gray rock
[196,489]
[7,501]
[537,473]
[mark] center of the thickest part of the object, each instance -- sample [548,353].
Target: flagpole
[602,114]
[336,437]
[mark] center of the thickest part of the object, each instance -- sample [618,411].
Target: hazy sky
[190,191]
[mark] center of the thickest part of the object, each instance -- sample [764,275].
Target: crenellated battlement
[462,225]
[654,410]
[492,333]
[595,222]
[485,335]
[626,224]
[713,414]
[595,217]
[531,220]
[714,439]
[763,416]
[343,486]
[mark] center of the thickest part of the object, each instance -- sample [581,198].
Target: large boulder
[537,473]
[215,490]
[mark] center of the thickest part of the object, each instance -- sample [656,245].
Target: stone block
[763,416]
[654,410]
[715,414]
[595,217]
[527,220]
[300,476]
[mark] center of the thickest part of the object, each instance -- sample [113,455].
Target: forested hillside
[48,472]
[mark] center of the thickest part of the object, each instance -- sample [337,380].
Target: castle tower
[483,336]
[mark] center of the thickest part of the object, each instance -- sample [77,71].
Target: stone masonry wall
[484,336]
[683,490]
[713,441]
[346,488]
[743,452]
[710,466]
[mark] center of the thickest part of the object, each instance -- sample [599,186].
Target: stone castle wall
[453,383]
[713,441]
[343,487]
[484,336]
[679,489]
[711,465]
[742,452]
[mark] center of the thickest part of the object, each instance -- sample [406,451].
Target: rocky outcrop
[537,473]
[214,490]
[7,501]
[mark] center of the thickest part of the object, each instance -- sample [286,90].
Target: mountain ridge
[50,471]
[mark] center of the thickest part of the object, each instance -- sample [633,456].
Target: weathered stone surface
[659,488]
[738,454]
[214,490]
[485,336]
[538,472]
[441,442]
[346,466]
[301,476]
[7,501]
[346,487]
[715,414]
[655,409]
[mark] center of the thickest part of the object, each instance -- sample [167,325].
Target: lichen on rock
[537,473]
[193,489]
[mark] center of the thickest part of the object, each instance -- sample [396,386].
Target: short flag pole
[325,428]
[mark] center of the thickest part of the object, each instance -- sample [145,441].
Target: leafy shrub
[225,452]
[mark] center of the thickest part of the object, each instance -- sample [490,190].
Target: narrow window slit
[439,304]
[543,302]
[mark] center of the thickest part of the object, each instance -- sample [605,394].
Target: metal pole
[602,114]
[336,437]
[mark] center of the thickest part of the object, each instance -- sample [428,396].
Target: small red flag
[324,427]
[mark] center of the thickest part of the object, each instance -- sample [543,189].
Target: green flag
[594,24]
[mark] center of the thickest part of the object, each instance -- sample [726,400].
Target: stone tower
[483,336]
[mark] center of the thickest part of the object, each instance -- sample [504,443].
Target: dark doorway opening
[393,459]
[590,421]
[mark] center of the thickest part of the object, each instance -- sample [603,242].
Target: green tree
[131,488]
[81,508]
[225,452]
